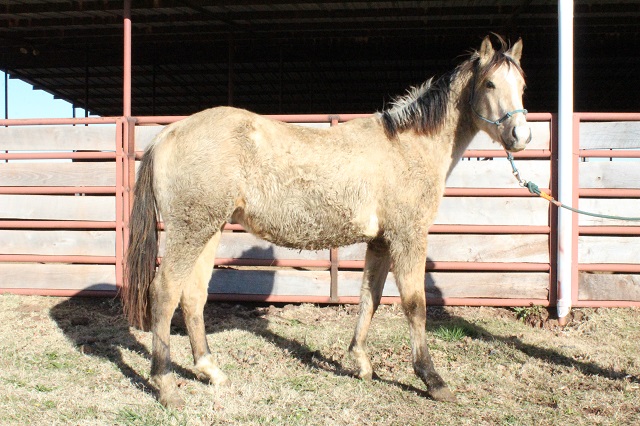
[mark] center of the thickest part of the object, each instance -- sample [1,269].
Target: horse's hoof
[364,370]
[222,382]
[365,375]
[442,394]
[207,370]
[172,401]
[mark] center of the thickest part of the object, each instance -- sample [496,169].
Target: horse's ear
[516,50]
[486,51]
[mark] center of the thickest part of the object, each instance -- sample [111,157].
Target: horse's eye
[490,85]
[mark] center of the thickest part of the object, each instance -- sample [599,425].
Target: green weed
[524,312]
[129,417]
[43,388]
[452,333]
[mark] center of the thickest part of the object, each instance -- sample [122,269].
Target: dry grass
[74,361]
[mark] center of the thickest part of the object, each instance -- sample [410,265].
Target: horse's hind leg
[409,270]
[165,294]
[193,300]
[183,248]
[376,268]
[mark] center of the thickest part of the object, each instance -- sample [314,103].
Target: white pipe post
[565,158]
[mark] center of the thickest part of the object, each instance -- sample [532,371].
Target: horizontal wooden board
[58,138]
[527,211]
[603,286]
[438,284]
[541,136]
[501,285]
[493,211]
[610,174]
[474,248]
[57,207]
[540,132]
[57,276]
[627,207]
[144,135]
[497,173]
[58,174]
[442,247]
[241,245]
[606,249]
[282,282]
[610,134]
[58,243]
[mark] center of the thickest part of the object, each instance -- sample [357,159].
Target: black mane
[424,108]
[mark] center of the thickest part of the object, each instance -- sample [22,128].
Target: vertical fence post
[129,174]
[565,158]
[126,78]
[127,157]
[120,193]
[333,253]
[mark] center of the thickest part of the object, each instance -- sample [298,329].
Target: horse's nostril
[521,133]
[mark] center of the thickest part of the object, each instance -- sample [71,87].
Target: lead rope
[534,189]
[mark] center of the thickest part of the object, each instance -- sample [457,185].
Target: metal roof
[305,56]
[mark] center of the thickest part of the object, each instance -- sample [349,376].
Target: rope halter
[500,120]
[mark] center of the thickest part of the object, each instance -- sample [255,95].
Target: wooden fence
[607,178]
[65,193]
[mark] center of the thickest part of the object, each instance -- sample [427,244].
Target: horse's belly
[307,230]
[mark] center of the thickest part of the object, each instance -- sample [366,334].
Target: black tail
[141,257]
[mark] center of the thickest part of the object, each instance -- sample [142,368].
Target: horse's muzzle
[520,138]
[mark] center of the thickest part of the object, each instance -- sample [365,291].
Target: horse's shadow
[97,327]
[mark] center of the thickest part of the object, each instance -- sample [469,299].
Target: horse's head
[496,95]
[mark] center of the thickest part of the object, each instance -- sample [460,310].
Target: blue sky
[24,102]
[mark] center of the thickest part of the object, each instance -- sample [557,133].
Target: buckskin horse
[377,180]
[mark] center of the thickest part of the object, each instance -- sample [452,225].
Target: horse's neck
[460,128]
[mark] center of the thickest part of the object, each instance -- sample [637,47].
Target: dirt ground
[75,361]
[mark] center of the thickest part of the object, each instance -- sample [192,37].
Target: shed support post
[126,80]
[333,253]
[565,266]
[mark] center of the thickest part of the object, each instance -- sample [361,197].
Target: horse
[377,180]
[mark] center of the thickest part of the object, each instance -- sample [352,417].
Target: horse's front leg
[409,269]
[376,268]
